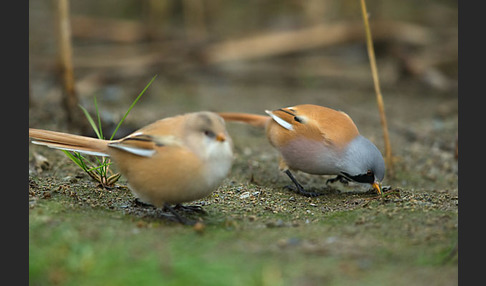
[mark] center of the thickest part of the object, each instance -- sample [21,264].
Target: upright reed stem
[379,98]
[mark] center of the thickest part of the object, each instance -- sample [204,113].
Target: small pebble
[199,227]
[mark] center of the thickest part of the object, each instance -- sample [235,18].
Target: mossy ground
[254,232]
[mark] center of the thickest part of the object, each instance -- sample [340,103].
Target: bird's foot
[301,191]
[298,187]
[139,203]
[177,216]
[196,209]
[339,178]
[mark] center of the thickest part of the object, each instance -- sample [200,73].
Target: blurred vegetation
[119,45]
[138,38]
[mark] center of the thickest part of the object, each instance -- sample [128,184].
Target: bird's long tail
[251,119]
[70,142]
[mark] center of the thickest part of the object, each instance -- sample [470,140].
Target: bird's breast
[310,156]
[218,163]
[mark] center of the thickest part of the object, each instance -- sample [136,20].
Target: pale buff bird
[171,161]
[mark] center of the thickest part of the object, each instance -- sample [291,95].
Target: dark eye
[370,173]
[209,133]
[298,119]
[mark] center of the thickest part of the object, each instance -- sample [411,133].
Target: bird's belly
[310,157]
[182,181]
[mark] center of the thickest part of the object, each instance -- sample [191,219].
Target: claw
[177,216]
[298,187]
[197,209]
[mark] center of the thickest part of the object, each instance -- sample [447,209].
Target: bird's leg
[178,217]
[197,209]
[298,187]
[339,178]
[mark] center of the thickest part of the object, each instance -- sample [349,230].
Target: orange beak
[377,187]
[220,137]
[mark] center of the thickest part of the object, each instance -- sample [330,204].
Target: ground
[257,232]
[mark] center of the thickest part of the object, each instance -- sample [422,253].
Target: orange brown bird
[318,140]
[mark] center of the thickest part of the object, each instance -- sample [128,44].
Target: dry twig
[70,99]
[317,36]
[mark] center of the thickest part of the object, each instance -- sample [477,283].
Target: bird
[318,140]
[168,162]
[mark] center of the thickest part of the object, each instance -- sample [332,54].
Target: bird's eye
[209,133]
[369,173]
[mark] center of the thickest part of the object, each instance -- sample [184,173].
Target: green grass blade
[91,122]
[76,160]
[104,164]
[131,106]
[99,119]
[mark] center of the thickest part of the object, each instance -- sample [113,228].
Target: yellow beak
[377,187]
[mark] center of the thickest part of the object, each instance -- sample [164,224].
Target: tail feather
[70,142]
[251,119]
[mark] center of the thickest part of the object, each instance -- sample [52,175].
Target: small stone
[199,227]
[245,195]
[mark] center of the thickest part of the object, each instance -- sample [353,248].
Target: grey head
[206,135]
[362,162]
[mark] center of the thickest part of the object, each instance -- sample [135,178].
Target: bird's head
[363,163]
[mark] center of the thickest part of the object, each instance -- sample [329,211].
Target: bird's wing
[333,125]
[143,144]
[283,121]
[317,122]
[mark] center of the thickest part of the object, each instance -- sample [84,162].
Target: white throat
[219,158]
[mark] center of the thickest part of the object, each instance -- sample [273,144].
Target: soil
[421,207]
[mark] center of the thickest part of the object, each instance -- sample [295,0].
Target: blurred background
[248,56]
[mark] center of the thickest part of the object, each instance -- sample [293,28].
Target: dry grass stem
[376,82]
[70,99]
